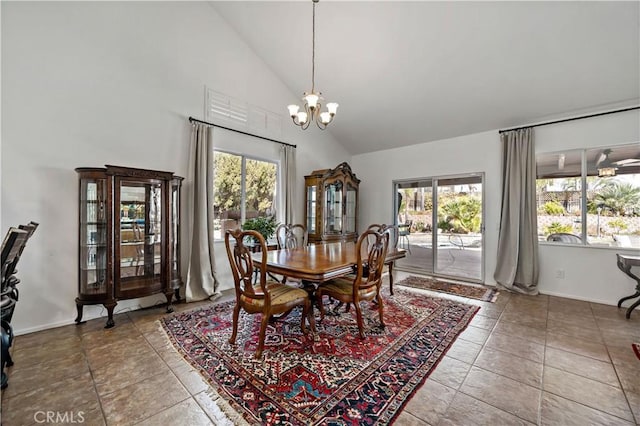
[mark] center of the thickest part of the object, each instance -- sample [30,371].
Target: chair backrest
[291,236]
[12,247]
[242,264]
[563,237]
[392,230]
[394,235]
[371,251]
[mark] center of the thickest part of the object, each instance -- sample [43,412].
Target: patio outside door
[445,215]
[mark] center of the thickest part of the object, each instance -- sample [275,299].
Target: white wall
[86,84]
[590,273]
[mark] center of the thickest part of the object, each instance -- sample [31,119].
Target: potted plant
[264,225]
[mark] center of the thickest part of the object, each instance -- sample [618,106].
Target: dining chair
[371,250]
[404,230]
[289,237]
[268,298]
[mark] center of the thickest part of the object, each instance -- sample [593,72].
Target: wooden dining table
[318,263]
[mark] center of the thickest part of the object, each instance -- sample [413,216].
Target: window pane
[559,196]
[227,191]
[613,196]
[260,189]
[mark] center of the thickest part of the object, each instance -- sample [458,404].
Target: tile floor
[523,360]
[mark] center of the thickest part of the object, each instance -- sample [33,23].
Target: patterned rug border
[636,349]
[236,415]
[490,294]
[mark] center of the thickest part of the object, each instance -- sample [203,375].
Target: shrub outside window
[243,188]
[590,196]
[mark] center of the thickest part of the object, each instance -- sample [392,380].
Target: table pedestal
[624,264]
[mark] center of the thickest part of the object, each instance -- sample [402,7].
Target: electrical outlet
[560,274]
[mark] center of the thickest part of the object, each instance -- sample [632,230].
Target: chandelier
[313,100]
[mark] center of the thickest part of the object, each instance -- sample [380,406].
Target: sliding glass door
[440,223]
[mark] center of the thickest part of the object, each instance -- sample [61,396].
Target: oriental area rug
[486,294]
[328,377]
[636,349]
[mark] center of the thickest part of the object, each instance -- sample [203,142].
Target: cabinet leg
[177,294]
[631,308]
[79,308]
[110,307]
[169,296]
[633,296]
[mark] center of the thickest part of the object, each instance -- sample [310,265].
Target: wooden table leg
[391,277]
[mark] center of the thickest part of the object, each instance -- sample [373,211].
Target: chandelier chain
[313,50]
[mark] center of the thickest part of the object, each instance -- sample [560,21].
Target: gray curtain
[517,263]
[201,275]
[289,182]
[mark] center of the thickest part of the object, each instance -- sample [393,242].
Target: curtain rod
[570,119]
[191,119]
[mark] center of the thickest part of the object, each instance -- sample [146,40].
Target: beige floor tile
[464,351]
[629,377]
[475,334]
[467,411]
[192,380]
[431,402]
[601,371]
[575,331]
[578,346]
[112,376]
[529,319]
[634,403]
[588,392]
[517,346]
[511,366]
[45,373]
[450,372]
[509,395]
[210,406]
[408,419]
[483,322]
[142,400]
[536,335]
[74,397]
[187,412]
[560,411]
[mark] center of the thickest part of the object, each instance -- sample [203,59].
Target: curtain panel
[202,282]
[517,261]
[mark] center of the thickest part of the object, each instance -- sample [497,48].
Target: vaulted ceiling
[413,72]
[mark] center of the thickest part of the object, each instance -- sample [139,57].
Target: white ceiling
[413,72]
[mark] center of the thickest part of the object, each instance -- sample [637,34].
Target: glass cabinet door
[311,209]
[333,208]
[140,225]
[93,236]
[350,216]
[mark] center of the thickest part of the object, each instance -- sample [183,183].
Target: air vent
[220,106]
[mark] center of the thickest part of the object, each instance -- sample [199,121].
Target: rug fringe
[225,414]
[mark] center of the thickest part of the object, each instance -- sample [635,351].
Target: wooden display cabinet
[331,204]
[129,236]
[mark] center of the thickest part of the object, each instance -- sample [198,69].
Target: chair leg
[381,310]
[320,305]
[304,317]
[234,333]
[359,318]
[263,331]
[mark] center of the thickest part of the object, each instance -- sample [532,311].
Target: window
[590,196]
[243,188]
